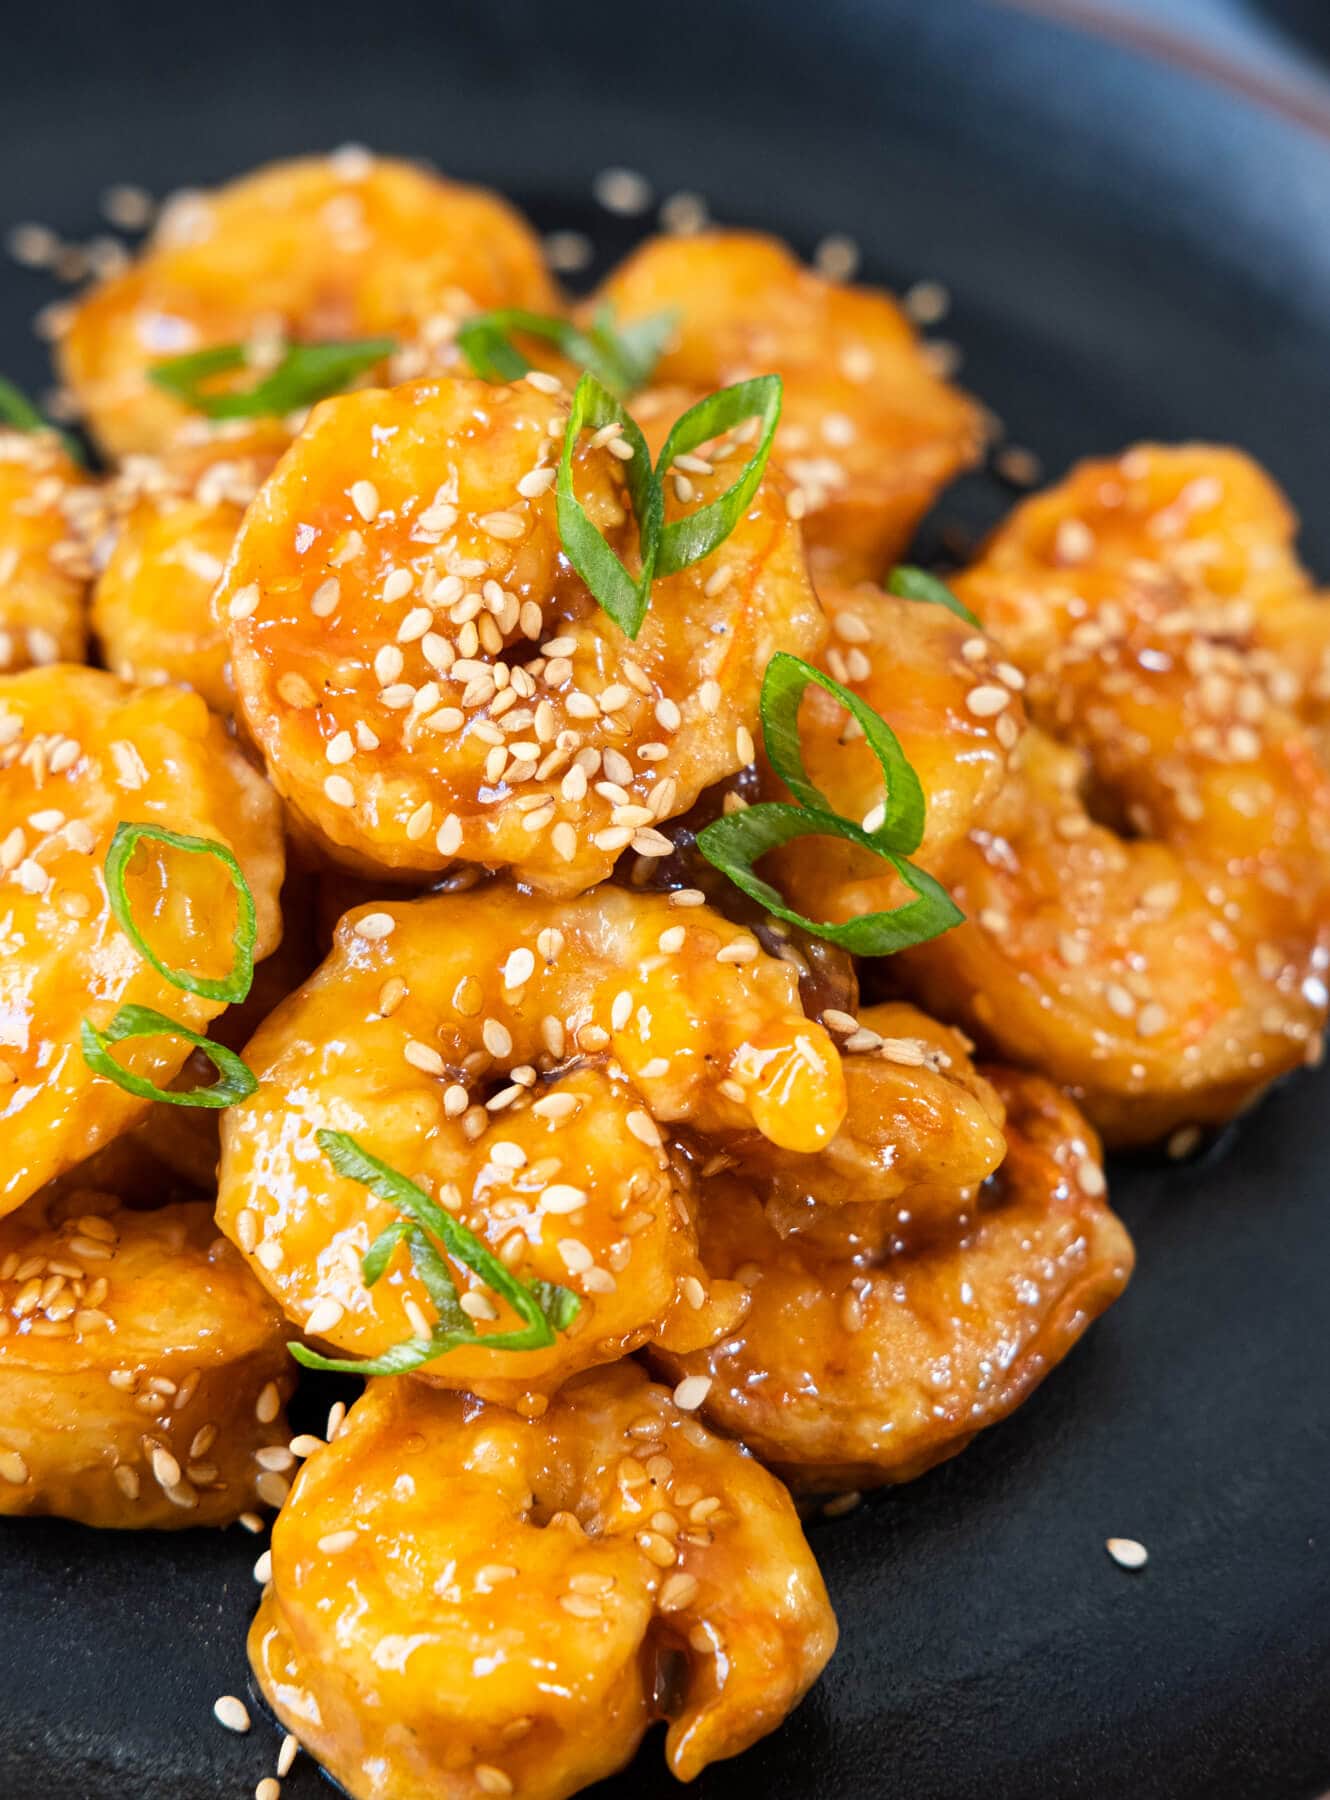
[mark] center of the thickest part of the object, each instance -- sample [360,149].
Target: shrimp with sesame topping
[44,566]
[80,753]
[954,703]
[466,1603]
[525,1064]
[869,435]
[876,1346]
[428,678]
[1148,898]
[340,247]
[143,1370]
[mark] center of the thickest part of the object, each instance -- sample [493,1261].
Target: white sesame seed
[643,1127]
[497,1038]
[622,191]
[244,601]
[449,836]
[691,1392]
[325,597]
[986,701]
[365,499]
[335,1541]
[423,1057]
[1127,1553]
[325,1315]
[232,1713]
[561,1197]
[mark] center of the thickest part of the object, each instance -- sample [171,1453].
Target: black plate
[1135,250]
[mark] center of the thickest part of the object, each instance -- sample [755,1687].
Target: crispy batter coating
[319,248]
[429,679]
[954,703]
[44,566]
[142,1368]
[1148,899]
[871,1360]
[171,522]
[80,751]
[519,1059]
[869,433]
[465,1603]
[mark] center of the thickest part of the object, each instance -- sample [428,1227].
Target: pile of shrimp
[640,1204]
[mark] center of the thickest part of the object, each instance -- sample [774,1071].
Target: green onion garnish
[231,987]
[235,1082]
[664,549]
[917,584]
[306,373]
[18,412]
[735,842]
[621,358]
[544,1307]
[623,596]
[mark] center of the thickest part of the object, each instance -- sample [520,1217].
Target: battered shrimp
[428,678]
[44,568]
[466,1603]
[1148,899]
[955,705]
[142,1368]
[518,1061]
[869,433]
[322,248]
[870,1361]
[80,752]
[170,524]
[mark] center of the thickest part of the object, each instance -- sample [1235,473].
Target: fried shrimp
[464,1602]
[1148,898]
[170,523]
[954,703]
[322,248]
[44,568]
[142,1368]
[81,752]
[871,1360]
[428,678]
[869,433]
[520,1061]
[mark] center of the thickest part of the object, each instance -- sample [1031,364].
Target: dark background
[1135,249]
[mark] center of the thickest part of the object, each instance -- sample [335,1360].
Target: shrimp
[170,523]
[955,705]
[519,1060]
[870,434]
[466,1603]
[870,1359]
[320,248]
[44,567]
[429,680]
[80,752]
[1149,896]
[142,1368]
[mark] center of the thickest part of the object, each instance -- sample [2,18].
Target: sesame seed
[325,1315]
[622,191]
[263,1569]
[535,483]
[559,1197]
[423,1057]
[677,1591]
[13,1469]
[503,525]
[268,1404]
[1127,1553]
[576,1257]
[491,1780]
[335,1541]
[448,838]
[986,701]
[323,600]
[286,1756]
[544,383]
[232,1713]
[268,1789]
[244,602]
[365,499]
[375,926]
[339,790]
[691,1392]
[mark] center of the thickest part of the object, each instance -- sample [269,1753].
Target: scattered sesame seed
[691,1392]
[365,499]
[325,1315]
[232,1713]
[1127,1553]
[622,191]
[375,926]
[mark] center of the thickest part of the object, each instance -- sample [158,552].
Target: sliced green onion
[306,373]
[18,411]
[235,1082]
[621,359]
[688,540]
[543,1307]
[231,987]
[917,584]
[623,596]
[736,842]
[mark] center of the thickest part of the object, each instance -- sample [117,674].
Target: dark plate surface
[1134,250]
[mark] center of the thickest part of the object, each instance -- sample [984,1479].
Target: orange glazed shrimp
[170,523]
[80,753]
[518,1060]
[1148,899]
[322,248]
[142,1368]
[871,1359]
[869,433]
[428,678]
[954,703]
[44,567]
[467,1603]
